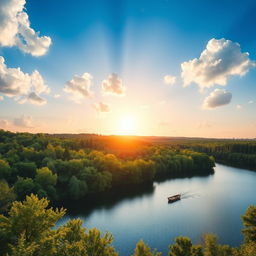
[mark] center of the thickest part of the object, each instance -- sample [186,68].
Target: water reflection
[108,200]
[209,204]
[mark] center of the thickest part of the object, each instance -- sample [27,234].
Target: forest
[61,168]
[27,230]
[237,153]
[38,169]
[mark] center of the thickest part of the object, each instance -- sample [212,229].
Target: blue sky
[141,42]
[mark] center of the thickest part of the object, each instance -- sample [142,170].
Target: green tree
[5,170]
[45,177]
[211,245]
[47,182]
[50,151]
[249,222]
[142,249]
[27,231]
[197,250]
[66,154]
[99,246]
[7,196]
[22,248]
[247,249]
[24,187]
[77,188]
[28,223]
[72,239]
[225,250]
[26,169]
[182,247]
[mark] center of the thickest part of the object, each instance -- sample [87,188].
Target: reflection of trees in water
[199,174]
[107,200]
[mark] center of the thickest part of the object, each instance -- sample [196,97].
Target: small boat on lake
[172,199]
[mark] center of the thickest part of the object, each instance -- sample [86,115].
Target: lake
[209,204]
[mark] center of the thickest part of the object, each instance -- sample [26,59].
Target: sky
[142,67]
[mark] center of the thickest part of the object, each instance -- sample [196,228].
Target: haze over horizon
[124,67]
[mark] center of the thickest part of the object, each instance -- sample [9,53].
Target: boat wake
[189,194]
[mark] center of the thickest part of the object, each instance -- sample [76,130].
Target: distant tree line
[27,230]
[61,169]
[235,153]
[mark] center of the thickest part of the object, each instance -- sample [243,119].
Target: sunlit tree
[142,249]
[249,221]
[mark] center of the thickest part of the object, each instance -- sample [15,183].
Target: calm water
[209,204]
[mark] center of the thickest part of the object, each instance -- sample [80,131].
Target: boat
[172,199]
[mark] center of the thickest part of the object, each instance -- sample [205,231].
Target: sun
[127,125]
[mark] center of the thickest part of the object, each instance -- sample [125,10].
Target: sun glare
[127,125]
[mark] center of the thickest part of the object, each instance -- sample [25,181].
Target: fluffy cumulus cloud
[102,107]
[168,79]
[22,86]
[79,87]
[220,60]
[23,121]
[218,97]
[38,83]
[15,29]
[113,85]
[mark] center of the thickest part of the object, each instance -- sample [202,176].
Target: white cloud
[35,99]
[38,83]
[113,85]
[19,85]
[168,79]
[79,87]
[15,29]
[102,107]
[218,97]
[250,102]
[13,82]
[238,106]
[220,60]
[23,121]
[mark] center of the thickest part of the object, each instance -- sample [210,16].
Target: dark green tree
[5,170]
[77,188]
[7,196]
[24,187]
[26,169]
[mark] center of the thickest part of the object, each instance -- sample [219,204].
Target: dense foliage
[73,167]
[64,168]
[238,153]
[27,230]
